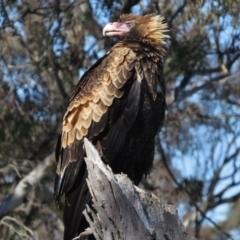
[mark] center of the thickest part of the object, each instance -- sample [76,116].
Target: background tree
[46,45]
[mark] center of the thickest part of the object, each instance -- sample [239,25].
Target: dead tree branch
[122,211]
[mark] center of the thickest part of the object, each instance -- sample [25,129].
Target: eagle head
[149,28]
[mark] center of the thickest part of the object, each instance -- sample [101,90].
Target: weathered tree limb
[21,190]
[122,211]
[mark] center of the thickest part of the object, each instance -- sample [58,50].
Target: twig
[164,159]
[4,169]
[4,221]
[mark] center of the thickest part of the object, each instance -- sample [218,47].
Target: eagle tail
[71,180]
[75,202]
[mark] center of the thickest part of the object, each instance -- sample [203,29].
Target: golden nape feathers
[149,28]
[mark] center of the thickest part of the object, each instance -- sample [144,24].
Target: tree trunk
[122,211]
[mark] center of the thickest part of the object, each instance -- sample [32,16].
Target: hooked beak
[115,29]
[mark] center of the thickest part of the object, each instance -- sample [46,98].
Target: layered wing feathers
[97,95]
[88,112]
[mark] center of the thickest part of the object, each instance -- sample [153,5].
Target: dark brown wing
[105,104]
[88,112]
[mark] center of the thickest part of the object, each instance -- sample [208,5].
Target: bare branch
[202,210]
[21,190]
[11,166]
[9,221]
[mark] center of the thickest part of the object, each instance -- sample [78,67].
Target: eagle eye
[130,24]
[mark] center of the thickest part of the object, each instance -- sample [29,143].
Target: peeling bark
[122,211]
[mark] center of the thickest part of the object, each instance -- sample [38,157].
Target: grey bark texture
[121,210]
